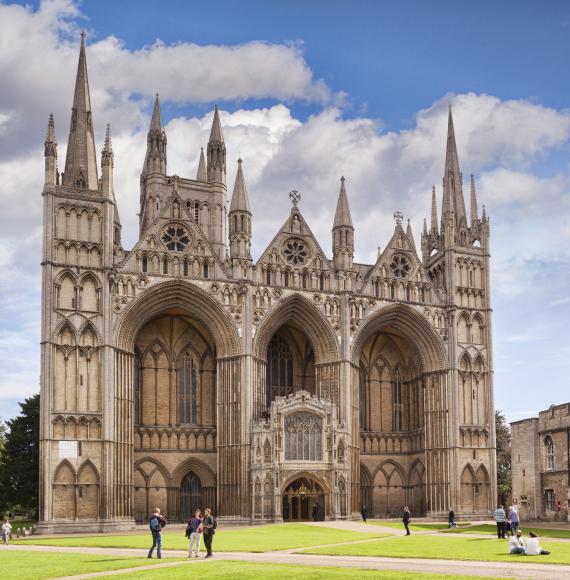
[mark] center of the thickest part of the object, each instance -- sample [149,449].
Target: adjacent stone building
[541,464]
[182,373]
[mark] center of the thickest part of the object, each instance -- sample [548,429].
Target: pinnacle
[216,132]
[156,121]
[108,147]
[342,215]
[202,174]
[240,200]
[50,136]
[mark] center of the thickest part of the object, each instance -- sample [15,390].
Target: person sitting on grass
[533,546]
[516,544]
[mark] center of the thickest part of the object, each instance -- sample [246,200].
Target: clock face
[176,238]
[400,266]
[296,252]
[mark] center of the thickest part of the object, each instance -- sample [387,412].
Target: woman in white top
[533,546]
[6,531]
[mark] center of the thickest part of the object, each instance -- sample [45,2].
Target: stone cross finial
[398,217]
[295,197]
[175,180]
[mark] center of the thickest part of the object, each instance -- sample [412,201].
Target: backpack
[154,524]
[215,524]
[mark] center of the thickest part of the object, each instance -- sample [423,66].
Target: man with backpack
[209,525]
[156,523]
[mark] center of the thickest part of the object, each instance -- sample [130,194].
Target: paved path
[494,569]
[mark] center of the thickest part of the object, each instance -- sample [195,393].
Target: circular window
[296,252]
[176,238]
[400,266]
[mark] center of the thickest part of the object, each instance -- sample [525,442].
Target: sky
[309,91]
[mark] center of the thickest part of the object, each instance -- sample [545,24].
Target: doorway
[303,500]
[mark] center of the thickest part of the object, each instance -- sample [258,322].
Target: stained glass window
[303,437]
[187,390]
[176,238]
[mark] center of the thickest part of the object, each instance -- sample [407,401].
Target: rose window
[176,238]
[295,252]
[400,266]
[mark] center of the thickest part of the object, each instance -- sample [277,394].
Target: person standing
[156,523]
[406,519]
[514,520]
[364,513]
[195,533]
[208,529]
[451,518]
[500,519]
[6,532]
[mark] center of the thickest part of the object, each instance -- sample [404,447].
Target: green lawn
[449,548]
[492,529]
[39,565]
[252,539]
[244,570]
[421,527]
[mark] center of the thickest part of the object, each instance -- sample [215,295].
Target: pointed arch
[88,330]
[65,473]
[298,310]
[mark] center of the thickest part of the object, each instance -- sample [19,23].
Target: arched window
[144,264]
[138,382]
[268,277]
[197,212]
[242,223]
[322,281]
[362,393]
[423,294]
[408,294]
[165,265]
[286,279]
[397,401]
[376,289]
[279,369]
[206,269]
[393,291]
[303,437]
[191,495]
[304,280]
[187,390]
[549,447]
[185,267]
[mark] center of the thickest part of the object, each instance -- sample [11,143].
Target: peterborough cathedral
[181,373]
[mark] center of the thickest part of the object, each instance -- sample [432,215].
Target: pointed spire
[107,165]
[50,142]
[410,235]
[107,152]
[202,174]
[453,202]
[433,212]
[156,120]
[474,212]
[81,160]
[342,216]
[216,153]
[484,215]
[425,232]
[240,200]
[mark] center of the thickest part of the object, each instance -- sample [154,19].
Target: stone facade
[541,464]
[181,373]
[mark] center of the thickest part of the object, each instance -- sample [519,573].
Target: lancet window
[397,401]
[279,369]
[303,435]
[187,390]
[549,448]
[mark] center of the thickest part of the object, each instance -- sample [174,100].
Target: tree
[504,475]
[19,459]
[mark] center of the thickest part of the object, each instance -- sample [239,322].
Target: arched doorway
[303,499]
[191,495]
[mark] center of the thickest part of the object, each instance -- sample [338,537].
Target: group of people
[507,522]
[510,523]
[199,525]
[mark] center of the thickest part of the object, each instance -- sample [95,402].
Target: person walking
[514,520]
[406,519]
[156,523]
[364,513]
[500,519]
[6,532]
[194,533]
[209,526]
[451,518]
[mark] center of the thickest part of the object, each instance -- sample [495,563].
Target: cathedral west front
[182,373]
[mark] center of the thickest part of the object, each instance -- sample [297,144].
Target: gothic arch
[309,475]
[157,466]
[88,470]
[299,310]
[183,295]
[412,325]
[89,326]
[389,474]
[206,475]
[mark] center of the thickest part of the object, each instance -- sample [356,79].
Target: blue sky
[308,89]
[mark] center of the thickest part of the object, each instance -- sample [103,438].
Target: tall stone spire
[342,232]
[240,219]
[453,202]
[81,160]
[202,174]
[107,163]
[50,154]
[155,158]
[410,234]
[216,151]
[434,231]
[474,212]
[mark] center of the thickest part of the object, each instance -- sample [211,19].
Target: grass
[448,548]
[34,565]
[492,529]
[421,527]
[253,539]
[243,570]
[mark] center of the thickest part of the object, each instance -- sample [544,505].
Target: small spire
[156,121]
[240,200]
[474,212]
[107,152]
[433,212]
[342,216]
[484,216]
[202,174]
[425,232]
[409,234]
[50,142]
[216,152]
[216,134]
